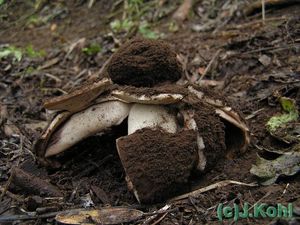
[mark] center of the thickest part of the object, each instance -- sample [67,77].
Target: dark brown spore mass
[144,63]
[159,164]
[212,130]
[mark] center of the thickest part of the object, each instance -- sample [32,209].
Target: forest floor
[57,45]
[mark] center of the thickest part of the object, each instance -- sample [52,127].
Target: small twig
[254,23]
[103,67]
[75,191]
[11,218]
[154,214]
[211,187]
[49,63]
[272,48]
[263,12]
[53,77]
[12,196]
[125,10]
[266,195]
[286,187]
[70,49]
[71,83]
[91,3]
[223,21]
[256,5]
[255,113]
[160,219]
[191,200]
[210,64]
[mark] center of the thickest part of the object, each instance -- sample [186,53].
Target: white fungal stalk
[151,116]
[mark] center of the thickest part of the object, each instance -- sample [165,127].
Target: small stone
[265,60]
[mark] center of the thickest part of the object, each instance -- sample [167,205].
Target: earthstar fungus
[173,130]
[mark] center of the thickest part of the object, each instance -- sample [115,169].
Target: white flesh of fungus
[190,124]
[86,123]
[143,99]
[151,116]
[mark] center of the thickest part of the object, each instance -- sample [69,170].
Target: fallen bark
[33,185]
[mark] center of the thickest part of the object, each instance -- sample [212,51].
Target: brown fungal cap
[158,164]
[144,63]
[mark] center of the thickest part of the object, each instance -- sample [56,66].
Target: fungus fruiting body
[160,150]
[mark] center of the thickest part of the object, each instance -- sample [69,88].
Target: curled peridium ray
[94,119]
[41,145]
[80,98]
[240,137]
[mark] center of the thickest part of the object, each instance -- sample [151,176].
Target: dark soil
[92,169]
[144,63]
[159,164]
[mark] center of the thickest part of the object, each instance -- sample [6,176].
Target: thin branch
[211,187]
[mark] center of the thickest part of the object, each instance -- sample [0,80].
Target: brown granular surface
[159,164]
[147,91]
[144,63]
[212,130]
[209,93]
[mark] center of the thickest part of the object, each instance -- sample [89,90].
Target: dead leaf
[11,129]
[269,171]
[113,215]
